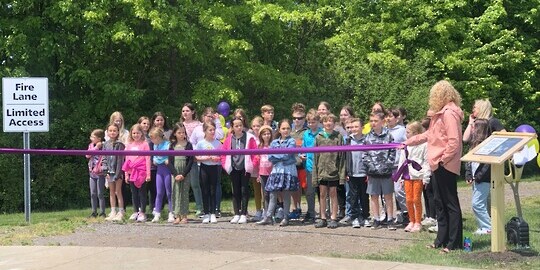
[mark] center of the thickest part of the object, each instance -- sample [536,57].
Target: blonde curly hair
[442,93]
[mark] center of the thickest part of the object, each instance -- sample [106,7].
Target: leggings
[195,184]
[208,178]
[97,189]
[273,202]
[240,191]
[138,197]
[413,193]
[163,186]
[265,195]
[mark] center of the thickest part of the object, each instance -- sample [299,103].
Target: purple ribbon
[217,152]
[403,171]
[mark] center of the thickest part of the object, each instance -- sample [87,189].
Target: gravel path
[294,239]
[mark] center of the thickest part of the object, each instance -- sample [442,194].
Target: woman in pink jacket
[239,167]
[444,152]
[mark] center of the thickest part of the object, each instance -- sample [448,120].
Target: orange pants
[413,198]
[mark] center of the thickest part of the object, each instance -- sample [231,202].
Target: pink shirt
[191,126]
[443,139]
[139,146]
[265,166]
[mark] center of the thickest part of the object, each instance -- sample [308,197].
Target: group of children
[349,184]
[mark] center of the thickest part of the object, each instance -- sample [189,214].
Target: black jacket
[482,174]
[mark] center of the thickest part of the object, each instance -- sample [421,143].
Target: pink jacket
[137,171]
[443,138]
[250,161]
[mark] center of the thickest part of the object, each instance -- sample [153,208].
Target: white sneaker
[356,223]
[242,220]
[433,229]
[133,216]
[111,215]
[235,219]
[206,219]
[171,217]
[141,217]
[156,217]
[428,222]
[367,223]
[213,219]
[119,216]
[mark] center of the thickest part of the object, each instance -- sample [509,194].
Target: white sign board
[25,104]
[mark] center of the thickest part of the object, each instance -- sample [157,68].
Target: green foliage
[139,57]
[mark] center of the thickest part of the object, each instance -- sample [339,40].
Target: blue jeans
[481,191]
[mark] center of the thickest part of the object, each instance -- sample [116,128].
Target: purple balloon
[228,124]
[223,108]
[525,129]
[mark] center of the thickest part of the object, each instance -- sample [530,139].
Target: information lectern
[495,150]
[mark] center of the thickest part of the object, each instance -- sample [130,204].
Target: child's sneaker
[171,217]
[206,219]
[111,216]
[141,217]
[376,224]
[213,219]
[258,215]
[433,229]
[242,220]
[119,216]
[321,223]
[156,217]
[235,219]
[409,227]
[392,225]
[356,223]
[133,216]
[428,222]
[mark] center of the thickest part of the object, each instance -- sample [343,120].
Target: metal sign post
[26,158]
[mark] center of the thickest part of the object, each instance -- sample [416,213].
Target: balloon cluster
[533,145]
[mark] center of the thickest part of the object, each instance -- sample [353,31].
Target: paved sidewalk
[80,258]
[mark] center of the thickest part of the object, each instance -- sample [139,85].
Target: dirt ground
[295,239]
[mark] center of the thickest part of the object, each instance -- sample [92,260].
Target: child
[256,125]
[356,175]
[479,176]
[137,169]
[239,167]
[379,165]
[145,125]
[267,113]
[284,177]
[115,175]
[398,134]
[328,170]
[97,179]
[430,221]
[180,167]
[308,140]
[415,185]
[158,121]
[209,171]
[163,174]
[297,133]
[118,119]
[265,168]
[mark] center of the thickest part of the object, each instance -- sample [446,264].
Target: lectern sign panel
[497,146]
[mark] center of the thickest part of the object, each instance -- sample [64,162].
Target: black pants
[429,200]
[449,219]
[138,197]
[341,196]
[208,178]
[240,191]
[151,187]
[358,198]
